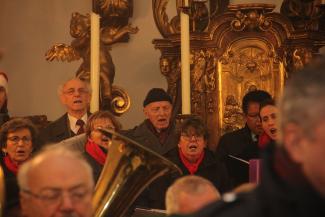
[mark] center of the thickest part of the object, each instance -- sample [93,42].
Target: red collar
[263,140]
[192,167]
[96,152]
[12,166]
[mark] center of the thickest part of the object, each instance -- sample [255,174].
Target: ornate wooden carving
[246,47]
[114,27]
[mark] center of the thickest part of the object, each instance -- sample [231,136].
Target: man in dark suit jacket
[75,96]
[242,143]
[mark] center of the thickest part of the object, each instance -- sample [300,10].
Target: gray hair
[56,150]
[190,184]
[303,101]
[61,86]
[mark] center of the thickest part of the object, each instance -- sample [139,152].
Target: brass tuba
[2,191]
[128,169]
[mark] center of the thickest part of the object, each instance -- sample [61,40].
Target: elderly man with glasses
[58,183]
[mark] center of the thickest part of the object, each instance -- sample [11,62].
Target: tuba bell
[2,191]
[128,170]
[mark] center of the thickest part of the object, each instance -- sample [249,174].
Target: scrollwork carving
[296,58]
[251,20]
[121,100]
[200,12]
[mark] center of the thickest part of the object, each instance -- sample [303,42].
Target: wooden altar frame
[276,39]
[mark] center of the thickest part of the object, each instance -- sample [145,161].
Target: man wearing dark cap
[156,132]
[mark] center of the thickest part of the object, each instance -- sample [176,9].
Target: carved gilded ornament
[247,65]
[203,79]
[114,28]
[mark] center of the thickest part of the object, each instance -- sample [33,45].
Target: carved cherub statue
[80,48]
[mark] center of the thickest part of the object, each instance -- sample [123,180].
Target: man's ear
[293,142]
[62,99]
[4,150]
[145,111]
[89,98]
[245,117]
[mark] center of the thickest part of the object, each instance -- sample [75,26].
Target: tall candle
[2,191]
[94,62]
[185,58]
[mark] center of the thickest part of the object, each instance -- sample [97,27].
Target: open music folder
[254,166]
[145,212]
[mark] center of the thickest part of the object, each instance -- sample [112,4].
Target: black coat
[78,143]
[210,168]
[274,197]
[239,144]
[143,135]
[95,166]
[11,187]
[56,131]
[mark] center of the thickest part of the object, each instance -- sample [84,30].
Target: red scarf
[192,167]
[263,140]
[13,167]
[96,152]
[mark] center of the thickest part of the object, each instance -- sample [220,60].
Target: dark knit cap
[156,95]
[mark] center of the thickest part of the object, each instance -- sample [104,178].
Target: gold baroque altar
[236,49]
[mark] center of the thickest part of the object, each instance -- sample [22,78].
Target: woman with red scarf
[18,140]
[97,144]
[192,157]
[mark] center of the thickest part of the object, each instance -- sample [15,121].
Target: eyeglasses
[55,196]
[254,116]
[72,91]
[192,137]
[104,127]
[16,139]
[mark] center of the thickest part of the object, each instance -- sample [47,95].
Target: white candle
[94,62]
[185,58]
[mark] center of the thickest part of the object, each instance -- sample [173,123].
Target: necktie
[81,124]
